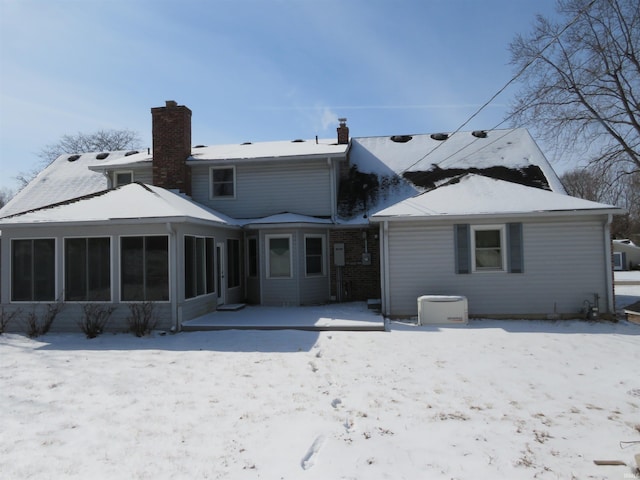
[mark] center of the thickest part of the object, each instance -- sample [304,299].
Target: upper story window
[223,182]
[122,178]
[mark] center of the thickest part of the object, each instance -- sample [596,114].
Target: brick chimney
[343,132]
[171,131]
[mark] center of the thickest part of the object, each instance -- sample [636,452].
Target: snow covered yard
[496,399]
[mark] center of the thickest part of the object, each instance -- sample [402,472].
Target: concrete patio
[354,316]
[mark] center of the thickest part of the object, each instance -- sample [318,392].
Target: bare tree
[605,185]
[581,81]
[100,141]
[5,196]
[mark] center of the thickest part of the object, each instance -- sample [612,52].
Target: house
[626,255]
[480,214]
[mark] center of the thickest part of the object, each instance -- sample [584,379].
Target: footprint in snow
[309,459]
[336,402]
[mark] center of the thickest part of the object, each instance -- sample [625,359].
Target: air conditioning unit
[442,310]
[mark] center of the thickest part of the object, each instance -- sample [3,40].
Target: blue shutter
[462,247]
[515,255]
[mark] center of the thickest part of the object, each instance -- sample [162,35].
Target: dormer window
[122,178]
[223,182]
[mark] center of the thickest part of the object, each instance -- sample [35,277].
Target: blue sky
[251,70]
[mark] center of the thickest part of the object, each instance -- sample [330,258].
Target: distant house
[626,255]
[480,214]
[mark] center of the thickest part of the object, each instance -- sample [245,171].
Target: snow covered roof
[134,201]
[67,177]
[286,219]
[137,159]
[511,148]
[268,150]
[479,195]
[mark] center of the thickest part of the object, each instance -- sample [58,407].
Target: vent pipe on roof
[343,132]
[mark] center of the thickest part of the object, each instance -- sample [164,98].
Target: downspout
[173,279]
[386,300]
[332,183]
[608,266]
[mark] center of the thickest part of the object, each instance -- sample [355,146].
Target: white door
[221,280]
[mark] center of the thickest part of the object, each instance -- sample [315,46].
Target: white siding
[268,189]
[564,265]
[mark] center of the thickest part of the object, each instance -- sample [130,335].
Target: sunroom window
[87,263]
[199,266]
[33,270]
[144,267]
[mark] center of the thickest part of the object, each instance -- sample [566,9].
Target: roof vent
[297,140]
[401,138]
[479,133]
[73,158]
[199,146]
[440,136]
[102,156]
[131,152]
[246,143]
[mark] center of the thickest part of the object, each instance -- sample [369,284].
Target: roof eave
[536,214]
[191,161]
[120,221]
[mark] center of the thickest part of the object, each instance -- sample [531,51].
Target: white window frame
[323,272]
[120,172]
[503,248]
[211,190]
[267,242]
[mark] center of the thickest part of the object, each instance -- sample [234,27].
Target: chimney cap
[171,103]
[343,121]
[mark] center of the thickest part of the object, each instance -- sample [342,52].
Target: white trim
[503,248]
[268,238]
[323,238]
[222,197]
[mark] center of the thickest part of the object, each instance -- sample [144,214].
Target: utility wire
[506,85]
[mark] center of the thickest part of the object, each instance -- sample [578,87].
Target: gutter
[466,216]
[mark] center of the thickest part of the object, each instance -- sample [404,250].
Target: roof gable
[474,194]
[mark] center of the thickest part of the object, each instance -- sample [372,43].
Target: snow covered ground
[492,400]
